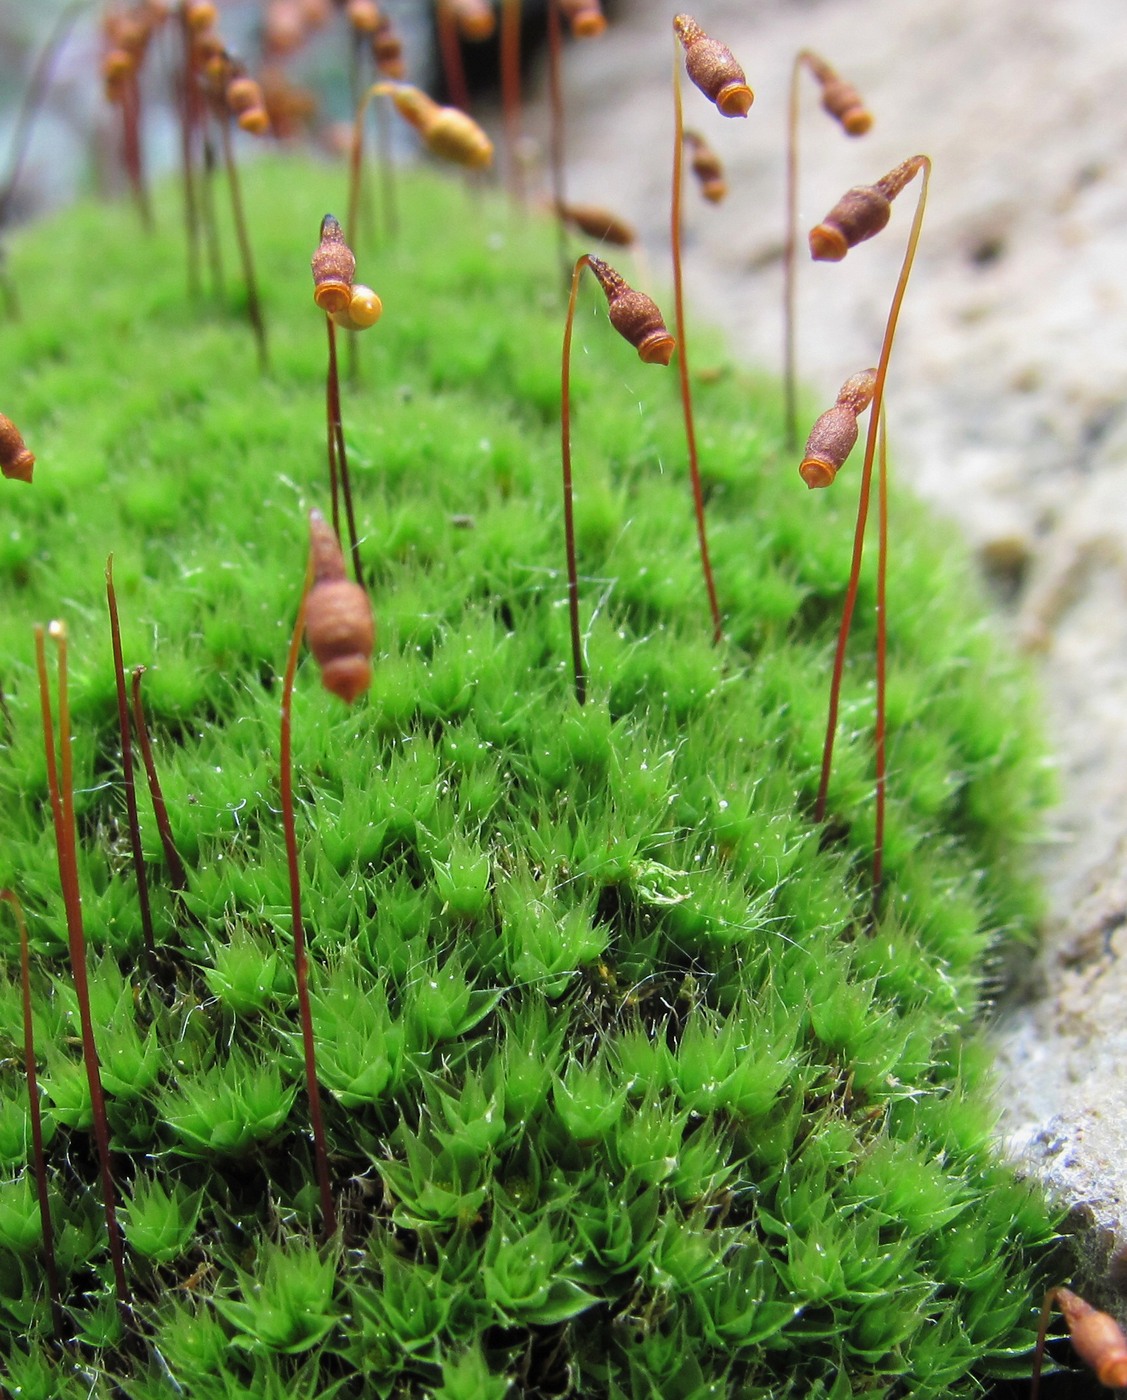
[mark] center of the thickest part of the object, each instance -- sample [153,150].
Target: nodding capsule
[475,19]
[585,17]
[334,265]
[446,131]
[598,223]
[634,315]
[16,462]
[860,213]
[707,167]
[363,310]
[338,617]
[387,49]
[363,15]
[200,15]
[256,120]
[834,434]
[840,99]
[242,94]
[1097,1338]
[713,68]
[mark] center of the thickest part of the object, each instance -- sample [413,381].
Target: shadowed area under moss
[624,1096]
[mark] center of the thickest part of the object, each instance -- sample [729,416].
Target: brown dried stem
[127,774]
[60,786]
[511,105]
[178,876]
[254,306]
[39,1156]
[338,455]
[300,957]
[683,364]
[921,163]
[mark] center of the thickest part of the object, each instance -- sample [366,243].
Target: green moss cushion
[625,1096]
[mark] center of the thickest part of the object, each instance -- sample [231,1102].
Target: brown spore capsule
[713,68]
[387,49]
[256,120]
[585,17]
[447,131]
[707,168]
[201,15]
[834,434]
[598,223]
[242,95]
[840,99]
[339,627]
[634,315]
[16,461]
[363,15]
[475,19]
[1097,1337]
[334,265]
[861,213]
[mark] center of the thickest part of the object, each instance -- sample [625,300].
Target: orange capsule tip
[817,473]
[657,349]
[827,244]
[734,100]
[332,297]
[857,122]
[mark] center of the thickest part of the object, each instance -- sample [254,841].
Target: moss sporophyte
[490,1043]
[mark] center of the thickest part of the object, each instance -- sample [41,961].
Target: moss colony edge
[624,1096]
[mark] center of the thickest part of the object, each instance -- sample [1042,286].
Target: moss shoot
[625,1096]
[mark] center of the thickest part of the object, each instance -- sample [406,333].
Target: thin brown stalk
[60,785]
[177,875]
[190,116]
[866,489]
[556,129]
[131,149]
[569,512]
[207,211]
[682,357]
[39,1156]
[882,658]
[254,306]
[300,957]
[450,53]
[127,774]
[338,455]
[511,97]
[32,101]
[790,242]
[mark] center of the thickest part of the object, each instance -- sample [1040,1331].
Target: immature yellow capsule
[364,310]
[447,132]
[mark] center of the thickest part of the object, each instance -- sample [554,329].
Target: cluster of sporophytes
[627,1091]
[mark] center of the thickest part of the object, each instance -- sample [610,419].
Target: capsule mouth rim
[827,243]
[817,472]
[332,295]
[734,99]
[588,26]
[857,121]
[21,467]
[657,348]
[255,121]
